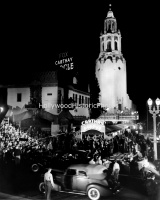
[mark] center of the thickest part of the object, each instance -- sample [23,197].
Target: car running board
[72,192]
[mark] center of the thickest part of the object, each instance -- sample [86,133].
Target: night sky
[33,35]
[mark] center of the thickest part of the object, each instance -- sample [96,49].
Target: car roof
[81,151]
[89,168]
[94,171]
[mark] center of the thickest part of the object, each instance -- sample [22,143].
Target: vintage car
[54,160]
[39,164]
[134,167]
[91,180]
[60,160]
[135,172]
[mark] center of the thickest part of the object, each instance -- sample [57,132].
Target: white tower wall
[111,68]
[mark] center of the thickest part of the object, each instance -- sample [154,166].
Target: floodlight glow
[149,101]
[157,101]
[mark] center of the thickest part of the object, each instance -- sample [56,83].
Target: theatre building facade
[50,99]
[46,101]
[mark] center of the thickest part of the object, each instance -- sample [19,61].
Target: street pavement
[22,184]
[126,194]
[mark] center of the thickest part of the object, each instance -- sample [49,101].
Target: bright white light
[149,101]
[112,83]
[1,109]
[157,101]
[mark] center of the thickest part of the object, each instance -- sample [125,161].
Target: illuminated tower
[111,68]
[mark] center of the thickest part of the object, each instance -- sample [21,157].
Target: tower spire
[110,13]
[110,24]
[110,39]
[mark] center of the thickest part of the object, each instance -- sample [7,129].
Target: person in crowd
[138,156]
[49,183]
[106,162]
[99,160]
[130,156]
[116,169]
[17,155]
[1,154]
[92,161]
[146,165]
[50,146]
[113,181]
[152,187]
[115,144]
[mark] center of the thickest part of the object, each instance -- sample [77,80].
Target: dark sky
[33,35]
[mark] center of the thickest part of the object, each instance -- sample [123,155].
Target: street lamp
[154,112]
[1,109]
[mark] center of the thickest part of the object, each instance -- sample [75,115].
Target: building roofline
[80,91]
[28,85]
[70,87]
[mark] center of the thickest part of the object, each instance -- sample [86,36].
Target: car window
[71,172]
[82,173]
[105,171]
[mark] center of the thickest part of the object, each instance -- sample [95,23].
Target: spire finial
[110,5]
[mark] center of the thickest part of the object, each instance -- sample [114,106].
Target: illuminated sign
[65,61]
[94,121]
[92,124]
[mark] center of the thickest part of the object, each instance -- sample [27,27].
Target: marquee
[92,125]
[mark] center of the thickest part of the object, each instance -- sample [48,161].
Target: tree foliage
[94,92]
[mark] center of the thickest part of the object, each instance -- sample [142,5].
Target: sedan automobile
[91,180]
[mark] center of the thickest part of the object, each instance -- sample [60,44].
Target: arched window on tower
[113,26]
[103,46]
[109,46]
[109,25]
[115,45]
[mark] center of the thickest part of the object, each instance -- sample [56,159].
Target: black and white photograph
[80,100]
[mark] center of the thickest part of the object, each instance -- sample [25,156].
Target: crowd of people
[15,143]
[129,142]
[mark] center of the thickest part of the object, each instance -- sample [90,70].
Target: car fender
[42,187]
[104,190]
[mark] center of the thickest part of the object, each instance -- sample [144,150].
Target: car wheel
[35,168]
[42,187]
[93,194]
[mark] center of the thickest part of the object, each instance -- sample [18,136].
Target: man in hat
[49,183]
